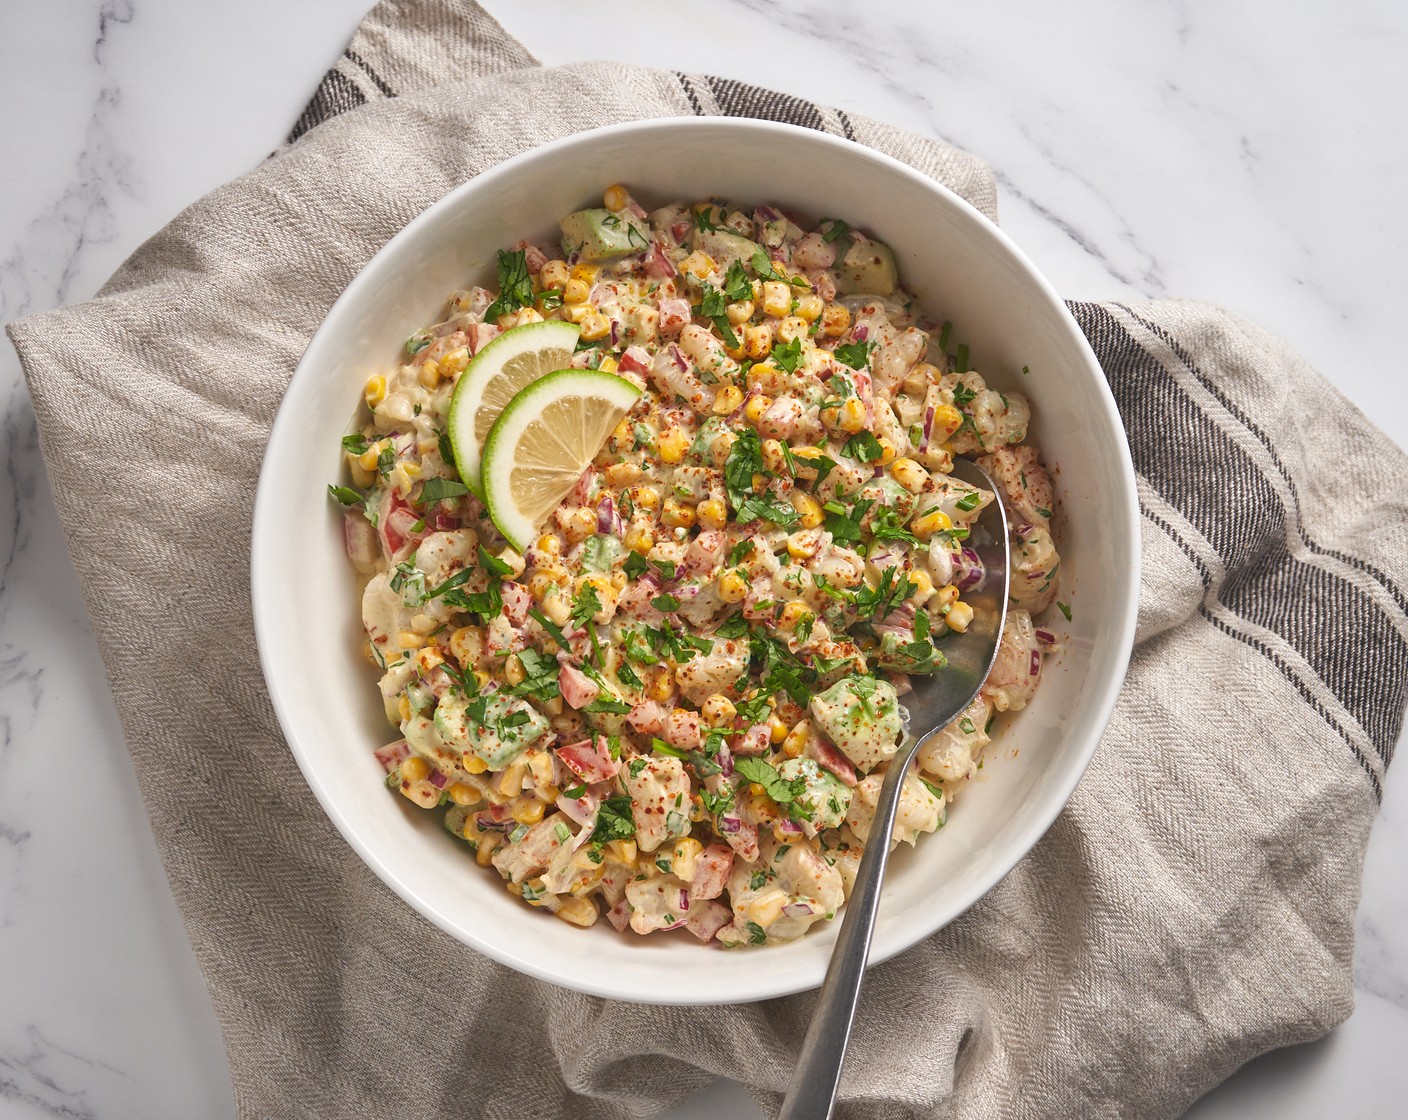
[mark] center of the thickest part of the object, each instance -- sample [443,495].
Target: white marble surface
[1208,148]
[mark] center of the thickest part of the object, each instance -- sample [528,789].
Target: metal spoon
[935,702]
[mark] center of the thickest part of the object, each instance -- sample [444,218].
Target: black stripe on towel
[1222,492]
[335,94]
[365,67]
[1282,666]
[737,99]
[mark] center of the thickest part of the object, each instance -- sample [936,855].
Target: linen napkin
[1192,907]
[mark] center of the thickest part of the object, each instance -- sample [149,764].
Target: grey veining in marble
[1212,149]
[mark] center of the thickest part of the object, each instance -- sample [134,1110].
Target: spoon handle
[812,1094]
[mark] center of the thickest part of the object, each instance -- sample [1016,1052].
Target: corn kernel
[462,794]
[803,544]
[580,525]
[740,311]
[793,614]
[528,810]
[414,769]
[403,709]
[549,544]
[514,673]
[733,588]
[618,579]
[510,556]
[595,326]
[698,264]
[909,474]
[927,524]
[923,587]
[662,684]
[777,730]
[554,274]
[792,328]
[609,364]
[684,858]
[888,451]
[756,406]
[644,497]
[959,616]
[852,415]
[473,764]
[539,584]
[409,639]
[718,710]
[557,610]
[485,855]
[947,420]
[623,436]
[428,658]
[519,318]
[640,539]
[454,362]
[764,909]
[712,514]
[615,197]
[727,399]
[429,374]
[467,644]
[482,679]
[576,292]
[622,474]
[835,320]
[777,299]
[808,510]
[586,273]
[672,445]
[677,515]
[757,342]
[375,391]
[577,911]
[810,306]
[767,378]
[624,851]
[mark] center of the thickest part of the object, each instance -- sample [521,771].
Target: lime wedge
[543,441]
[516,358]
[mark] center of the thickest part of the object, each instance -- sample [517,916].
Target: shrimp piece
[1026,486]
[1017,668]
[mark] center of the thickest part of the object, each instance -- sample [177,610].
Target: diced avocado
[826,798]
[506,729]
[725,246]
[867,268]
[599,552]
[702,449]
[908,654]
[600,235]
[861,716]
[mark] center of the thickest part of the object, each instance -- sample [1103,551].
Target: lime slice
[543,441]
[516,358]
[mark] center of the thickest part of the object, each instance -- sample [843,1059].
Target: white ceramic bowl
[962,268]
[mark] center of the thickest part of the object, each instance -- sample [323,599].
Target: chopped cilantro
[614,820]
[834,230]
[1064,609]
[515,286]
[780,789]
[854,354]
[788,355]
[863,447]
[665,604]
[346,495]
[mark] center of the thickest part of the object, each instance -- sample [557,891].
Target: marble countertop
[1190,148]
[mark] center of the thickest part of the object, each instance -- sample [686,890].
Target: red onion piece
[928,428]
[798,909]
[789,825]
[1046,637]
[1035,667]
[684,899]
[968,568]
[861,333]
[437,779]
[730,823]
[608,521]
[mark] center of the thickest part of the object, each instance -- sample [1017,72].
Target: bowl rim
[263,571]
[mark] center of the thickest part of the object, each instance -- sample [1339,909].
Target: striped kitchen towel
[1192,907]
